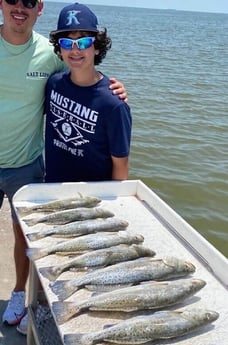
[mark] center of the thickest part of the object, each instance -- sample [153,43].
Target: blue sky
[188,5]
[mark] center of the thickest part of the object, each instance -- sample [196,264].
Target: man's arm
[118,89]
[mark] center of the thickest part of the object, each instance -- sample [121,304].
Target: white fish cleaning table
[164,231]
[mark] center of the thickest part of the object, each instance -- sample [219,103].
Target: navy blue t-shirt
[85,126]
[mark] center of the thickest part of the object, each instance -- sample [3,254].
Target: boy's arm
[120,168]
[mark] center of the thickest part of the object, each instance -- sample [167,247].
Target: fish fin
[34,236]
[81,269]
[105,288]
[154,282]
[35,253]
[31,221]
[51,273]
[63,288]
[147,251]
[72,339]
[70,254]
[64,235]
[100,288]
[23,210]
[108,325]
[144,283]
[80,195]
[64,311]
[93,268]
[109,258]
[167,263]
[74,254]
[97,293]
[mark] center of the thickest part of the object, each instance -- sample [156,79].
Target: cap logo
[72,17]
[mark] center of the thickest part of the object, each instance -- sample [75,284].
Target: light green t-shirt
[24,70]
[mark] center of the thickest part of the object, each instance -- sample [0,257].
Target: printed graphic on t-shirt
[72,120]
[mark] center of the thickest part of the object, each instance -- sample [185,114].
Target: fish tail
[24,211]
[50,273]
[64,311]
[35,236]
[31,221]
[79,339]
[35,253]
[63,288]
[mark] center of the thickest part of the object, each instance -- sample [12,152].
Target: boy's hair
[102,43]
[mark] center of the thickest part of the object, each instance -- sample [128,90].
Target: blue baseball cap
[76,17]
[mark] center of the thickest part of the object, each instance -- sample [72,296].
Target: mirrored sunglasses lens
[66,43]
[84,42]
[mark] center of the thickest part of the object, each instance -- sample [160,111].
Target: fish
[79,228]
[85,243]
[144,328]
[152,295]
[61,204]
[67,216]
[125,273]
[99,257]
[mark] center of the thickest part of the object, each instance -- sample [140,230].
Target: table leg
[32,303]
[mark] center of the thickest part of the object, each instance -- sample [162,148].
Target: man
[27,60]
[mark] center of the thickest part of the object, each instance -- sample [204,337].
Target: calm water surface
[174,65]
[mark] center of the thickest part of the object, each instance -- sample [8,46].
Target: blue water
[174,66]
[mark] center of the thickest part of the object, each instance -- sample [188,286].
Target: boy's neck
[82,80]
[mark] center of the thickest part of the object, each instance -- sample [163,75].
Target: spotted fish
[71,215]
[100,257]
[125,273]
[85,243]
[151,295]
[79,228]
[145,328]
[61,204]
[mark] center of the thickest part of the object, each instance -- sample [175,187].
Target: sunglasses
[27,3]
[82,43]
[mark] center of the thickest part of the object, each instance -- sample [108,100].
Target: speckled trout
[100,257]
[67,216]
[142,329]
[85,243]
[125,273]
[61,204]
[152,295]
[81,227]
